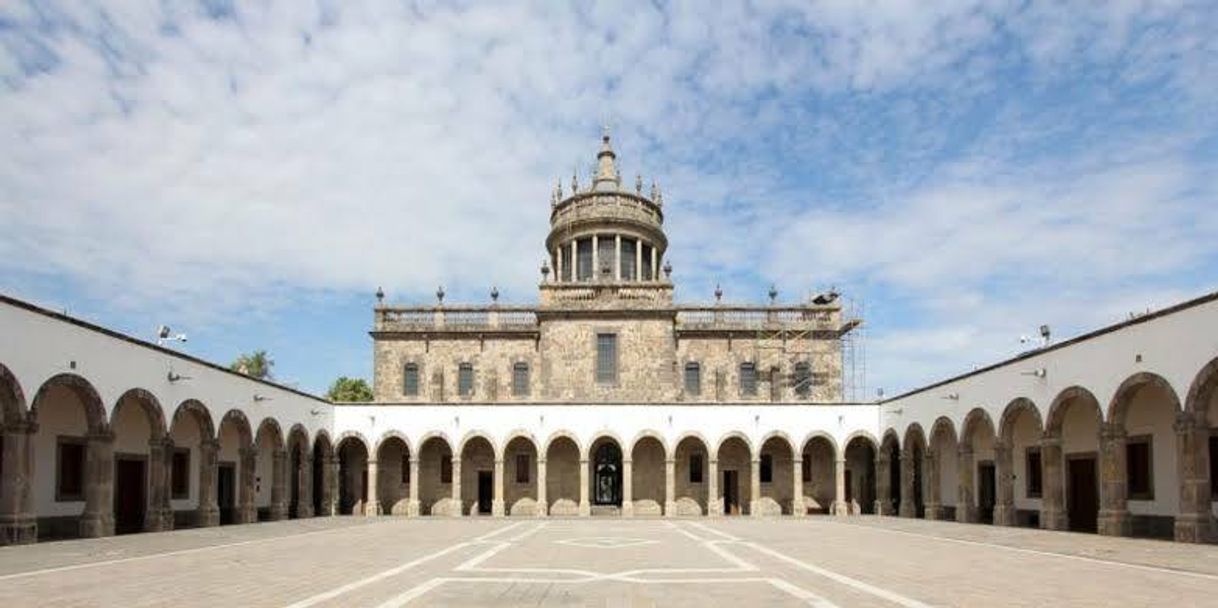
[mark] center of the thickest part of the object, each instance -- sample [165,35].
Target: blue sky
[249,173]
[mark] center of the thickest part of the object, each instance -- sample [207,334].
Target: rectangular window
[693,378]
[629,271]
[1033,470]
[1139,463]
[605,257]
[465,380]
[645,271]
[583,257]
[180,474]
[522,468]
[801,380]
[748,379]
[410,380]
[767,468]
[520,379]
[405,468]
[695,468]
[70,477]
[446,469]
[606,358]
[805,467]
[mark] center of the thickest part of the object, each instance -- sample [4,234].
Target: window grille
[520,379]
[629,271]
[410,380]
[606,358]
[583,257]
[465,380]
[748,379]
[693,378]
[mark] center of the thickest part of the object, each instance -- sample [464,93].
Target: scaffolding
[854,353]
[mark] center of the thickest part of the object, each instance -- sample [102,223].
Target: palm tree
[255,365]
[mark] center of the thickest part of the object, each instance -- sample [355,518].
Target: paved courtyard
[387,562]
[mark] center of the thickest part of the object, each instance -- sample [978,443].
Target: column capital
[23,427]
[629,461]
[964,450]
[210,444]
[541,462]
[1111,431]
[1050,441]
[249,452]
[101,436]
[1187,422]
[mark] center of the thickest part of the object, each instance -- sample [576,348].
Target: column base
[372,508]
[304,511]
[670,508]
[247,514]
[18,530]
[96,525]
[413,508]
[1114,523]
[627,508]
[798,508]
[883,507]
[207,517]
[541,510]
[154,520]
[278,512]
[714,508]
[840,508]
[1194,528]
[966,514]
[585,509]
[907,509]
[1052,519]
[497,508]
[933,512]
[1004,515]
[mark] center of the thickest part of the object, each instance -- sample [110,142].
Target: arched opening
[693,470]
[976,471]
[71,429]
[352,476]
[648,476]
[776,476]
[477,476]
[1075,419]
[192,472]
[235,470]
[324,502]
[735,476]
[1021,430]
[1198,455]
[888,475]
[914,478]
[436,477]
[393,476]
[941,501]
[18,524]
[520,477]
[817,474]
[605,476]
[562,476]
[270,466]
[141,502]
[860,475]
[1140,485]
[300,474]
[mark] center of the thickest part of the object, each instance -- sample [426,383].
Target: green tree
[349,389]
[255,365]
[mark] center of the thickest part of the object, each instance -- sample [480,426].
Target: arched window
[801,380]
[748,379]
[410,380]
[693,378]
[465,379]
[520,379]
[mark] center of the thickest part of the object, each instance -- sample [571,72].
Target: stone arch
[322,442]
[393,434]
[149,405]
[300,473]
[137,423]
[563,453]
[1057,409]
[199,412]
[818,458]
[914,437]
[1072,439]
[1201,390]
[471,435]
[435,454]
[859,455]
[1118,408]
[519,433]
[888,473]
[324,480]
[564,434]
[394,459]
[735,435]
[356,436]
[776,453]
[352,450]
[688,435]
[12,398]
[645,483]
[978,419]
[269,429]
[943,424]
[941,478]
[604,435]
[647,433]
[1011,414]
[238,419]
[791,445]
[478,453]
[820,435]
[865,435]
[913,476]
[890,438]
[605,464]
[191,428]
[298,436]
[86,394]
[736,456]
[692,483]
[520,484]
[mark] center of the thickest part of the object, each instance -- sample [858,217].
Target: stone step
[606,511]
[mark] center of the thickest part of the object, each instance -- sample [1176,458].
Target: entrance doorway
[1082,493]
[486,482]
[294,480]
[731,493]
[607,482]
[129,494]
[226,492]
[986,492]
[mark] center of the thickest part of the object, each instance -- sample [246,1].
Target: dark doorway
[731,493]
[486,482]
[849,487]
[226,492]
[129,494]
[294,500]
[919,507]
[319,469]
[1082,493]
[607,479]
[985,492]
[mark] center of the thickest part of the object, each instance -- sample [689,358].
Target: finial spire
[607,177]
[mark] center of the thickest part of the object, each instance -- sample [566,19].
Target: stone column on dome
[574,260]
[655,264]
[596,258]
[617,257]
[638,260]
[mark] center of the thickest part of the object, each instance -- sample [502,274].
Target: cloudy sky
[249,173]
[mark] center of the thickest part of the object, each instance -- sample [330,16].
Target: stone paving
[820,561]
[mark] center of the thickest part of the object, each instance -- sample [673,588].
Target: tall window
[695,468]
[693,378]
[465,379]
[606,358]
[605,256]
[645,271]
[748,379]
[179,474]
[520,379]
[802,379]
[1033,471]
[70,478]
[629,271]
[583,260]
[410,380]
[1140,468]
[767,468]
[446,468]
[522,468]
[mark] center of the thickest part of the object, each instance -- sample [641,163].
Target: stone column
[456,488]
[617,261]
[585,509]
[655,264]
[627,487]
[279,506]
[909,466]
[714,502]
[931,485]
[638,260]
[333,492]
[1194,523]
[966,508]
[98,518]
[596,258]
[154,510]
[558,264]
[207,514]
[372,507]
[1113,518]
[1052,503]
[543,503]
[412,506]
[574,261]
[798,508]
[247,513]
[1004,478]
[754,487]
[670,487]
[883,484]
[497,506]
[840,507]
[304,483]
[18,526]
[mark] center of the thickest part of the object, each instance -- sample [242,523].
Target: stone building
[606,329]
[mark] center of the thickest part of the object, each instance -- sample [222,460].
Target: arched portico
[818,476]
[140,464]
[914,477]
[1019,465]
[1139,495]
[193,465]
[565,489]
[474,475]
[354,495]
[739,486]
[648,486]
[856,473]
[776,473]
[1071,462]
[522,478]
[325,475]
[603,477]
[73,437]
[299,474]
[436,476]
[18,524]
[395,473]
[941,469]
[1197,449]
[270,490]
[976,470]
[888,474]
[236,470]
[693,480]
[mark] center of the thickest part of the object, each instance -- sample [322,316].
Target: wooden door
[731,493]
[486,482]
[129,495]
[1082,493]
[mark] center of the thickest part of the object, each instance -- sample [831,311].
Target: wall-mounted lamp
[952,396]
[173,376]
[897,411]
[260,398]
[1039,372]
[315,412]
